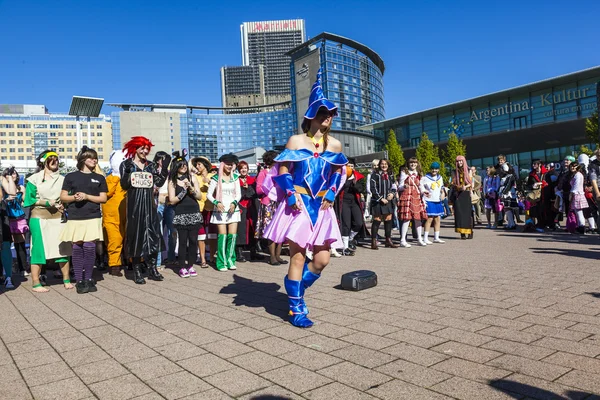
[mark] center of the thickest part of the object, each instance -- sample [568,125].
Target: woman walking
[201,166]
[13,197]
[83,191]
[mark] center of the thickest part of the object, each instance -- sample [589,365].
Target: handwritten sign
[142,180]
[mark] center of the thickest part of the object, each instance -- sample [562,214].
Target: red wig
[242,164]
[135,143]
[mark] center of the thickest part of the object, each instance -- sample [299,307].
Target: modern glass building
[544,119]
[352,79]
[205,131]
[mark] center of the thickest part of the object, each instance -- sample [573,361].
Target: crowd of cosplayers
[552,196]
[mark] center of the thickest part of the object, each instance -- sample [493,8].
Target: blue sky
[170,52]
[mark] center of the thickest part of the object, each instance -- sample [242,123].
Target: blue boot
[295,291]
[308,278]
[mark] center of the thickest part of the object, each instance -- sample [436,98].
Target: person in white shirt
[431,185]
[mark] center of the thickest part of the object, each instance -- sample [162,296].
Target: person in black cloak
[139,176]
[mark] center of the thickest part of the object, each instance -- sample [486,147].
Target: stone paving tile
[29,345]
[227,348]
[274,346]
[322,343]
[538,388]
[67,389]
[509,334]
[152,367]
[331,330]
[19,335]
[17,390]
[375,328]
[582,380]
[413,373]
[237,382]
[470,370]
[180,351]
[337,391]
[397,389]
[272,392]
[288,377]
[310,359]
[100,371]
[120,388]
[415,354]
[465,325]
[464,389]
[258,362]
[458,335]
[416,338]
[131,353]
[519,349]
[211,394]
[354,375]
[461,350]
[525,366]
[47,373]
[205,365]
[515,325]
[36,358]
[569,346]
[557,333]
[9,373]
[245,334]
[368,340]
[361,356]
[553,322]
[586,364]
[177,385]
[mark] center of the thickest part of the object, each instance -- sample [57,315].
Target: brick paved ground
[505,316]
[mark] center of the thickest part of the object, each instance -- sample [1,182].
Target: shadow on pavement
[594,294]
[569,252]
[270,397]
[517,390]
[258,294]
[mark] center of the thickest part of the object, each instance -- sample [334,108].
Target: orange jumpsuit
[113,220]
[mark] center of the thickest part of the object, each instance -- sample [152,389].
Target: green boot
[230,255]
[222,252]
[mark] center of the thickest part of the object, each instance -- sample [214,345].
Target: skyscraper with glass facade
[352,79]
[541,120]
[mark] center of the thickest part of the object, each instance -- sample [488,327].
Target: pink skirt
[297,227]
[18,226]
[579,202]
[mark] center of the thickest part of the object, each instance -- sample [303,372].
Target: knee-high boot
[221,252]
[308,278]
[297,313]
[137,272]
[230,257]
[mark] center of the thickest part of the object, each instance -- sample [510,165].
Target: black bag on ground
[359,280]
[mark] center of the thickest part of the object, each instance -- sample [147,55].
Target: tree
[427,152]
[395,154]
[454,148]
[583,149]
[591,129]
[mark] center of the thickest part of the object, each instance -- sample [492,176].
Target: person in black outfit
[348,208]
[184,193]
[382,206]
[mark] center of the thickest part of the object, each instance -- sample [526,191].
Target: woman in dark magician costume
[309,178]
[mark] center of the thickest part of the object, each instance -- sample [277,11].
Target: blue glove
[285,182]
[334,180]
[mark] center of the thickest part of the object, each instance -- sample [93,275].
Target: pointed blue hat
[317,100]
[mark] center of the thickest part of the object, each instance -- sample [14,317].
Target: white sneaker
[8,284]
[428,241]
[335,253]
[422,243]
[438,241]
[404,244]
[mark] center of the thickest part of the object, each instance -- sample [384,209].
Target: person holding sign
[143,235]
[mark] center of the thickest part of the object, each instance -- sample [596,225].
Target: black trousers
[352,218]
[188,245]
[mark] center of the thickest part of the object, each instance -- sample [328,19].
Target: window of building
[3,150]
[21,158]
[68,133]
[19,142]
[11,134]
[520,122]
[11,142]
[11,150]
[99,134]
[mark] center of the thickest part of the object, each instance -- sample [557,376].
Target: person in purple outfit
[309,176]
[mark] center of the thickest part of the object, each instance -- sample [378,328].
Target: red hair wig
[135,143]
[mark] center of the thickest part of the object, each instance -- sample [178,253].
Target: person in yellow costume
[114,214]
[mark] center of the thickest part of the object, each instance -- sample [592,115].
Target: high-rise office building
[264,44]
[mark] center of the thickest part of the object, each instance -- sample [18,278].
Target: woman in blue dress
[309,178]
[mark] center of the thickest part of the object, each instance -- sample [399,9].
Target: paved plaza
[507,315]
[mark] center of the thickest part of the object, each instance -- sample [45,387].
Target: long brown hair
[83,155]
[412,159]
[306,128]
[465,170]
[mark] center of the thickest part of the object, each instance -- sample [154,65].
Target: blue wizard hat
[317,100]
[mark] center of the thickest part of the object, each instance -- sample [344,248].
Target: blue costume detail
[13,207]
[305,165]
